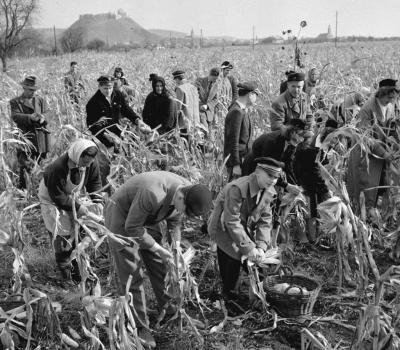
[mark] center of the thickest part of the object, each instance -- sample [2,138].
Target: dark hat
[152,76]
[289,72]
[226,64]
[296,77]
[270,165]
[178,74]
[214,72]
[105,79]
[249,86]
[389,84]
[198,200]
[331,123]
[118,69]
[30,82]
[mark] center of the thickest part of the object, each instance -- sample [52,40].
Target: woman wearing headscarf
[159,107]
[311,81]
[62,187]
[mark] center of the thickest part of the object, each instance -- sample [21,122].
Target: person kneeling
[239,227]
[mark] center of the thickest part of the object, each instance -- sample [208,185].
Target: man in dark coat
[29,113]
[137,210]
[238,129]
[280,145]
[159,108]
[292,104]
[105,110]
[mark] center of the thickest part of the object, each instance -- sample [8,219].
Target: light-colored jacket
[188,106]
[238,223]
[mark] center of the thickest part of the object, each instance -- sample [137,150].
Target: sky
[237,17]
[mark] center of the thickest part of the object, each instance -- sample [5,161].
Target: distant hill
[47,34]
[164,33]
[113,29]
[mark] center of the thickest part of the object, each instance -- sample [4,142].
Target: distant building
[326,36]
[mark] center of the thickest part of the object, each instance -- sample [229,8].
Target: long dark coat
[98,107]
[238,131]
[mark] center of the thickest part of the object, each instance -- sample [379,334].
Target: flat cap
[105,79]
[226,64]
[178,73]
[388,84]
[296,77]
[270,165]
[249,86]
[198,200]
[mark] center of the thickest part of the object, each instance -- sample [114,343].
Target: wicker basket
[292,305]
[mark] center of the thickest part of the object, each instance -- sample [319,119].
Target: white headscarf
[77,148]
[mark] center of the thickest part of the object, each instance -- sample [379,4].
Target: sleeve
[142,206]
[277,116]
[92,117]
[67,83]
[213,101]
[231,216]
[22,120]
[55,183]
[94,182]
[171,114]
[127,111]
[234,88]
[174,224]
[146,110]
[232,136]
[264,224]
[366,122]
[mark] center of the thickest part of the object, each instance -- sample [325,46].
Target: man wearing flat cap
[137,210]
[29,113]
[240,223]
[105,110]
[238,129]
[208,90]
[188,104]
[368,171]
[292,104]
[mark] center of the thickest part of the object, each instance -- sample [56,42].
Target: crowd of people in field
[240,220]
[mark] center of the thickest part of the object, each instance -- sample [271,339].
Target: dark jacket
[20,114]
[55,178]
[159,109]
[272,145]
[238,130]
[235,89]
[98,107]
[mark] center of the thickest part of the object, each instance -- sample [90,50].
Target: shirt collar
[240,104]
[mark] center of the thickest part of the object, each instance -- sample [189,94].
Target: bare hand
[165,255]
[255,255]
[35,117]
[237,170]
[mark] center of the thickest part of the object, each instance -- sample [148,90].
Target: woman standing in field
[159,108]
[119,74]
[73,173]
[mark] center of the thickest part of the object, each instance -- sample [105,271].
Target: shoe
[146,336]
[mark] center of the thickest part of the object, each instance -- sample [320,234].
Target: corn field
[359,304]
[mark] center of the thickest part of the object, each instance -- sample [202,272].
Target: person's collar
[253,186]
[240,104]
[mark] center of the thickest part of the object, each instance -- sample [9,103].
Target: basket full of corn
[291,295]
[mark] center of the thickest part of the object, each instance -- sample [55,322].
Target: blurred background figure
[29,113]
[119,74]
[73,83]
